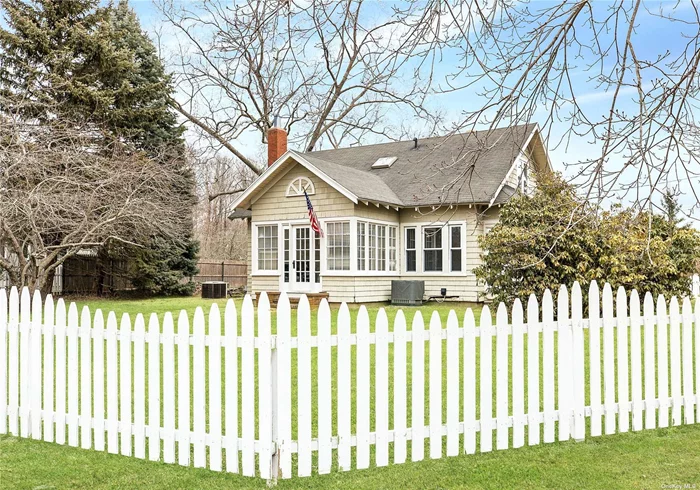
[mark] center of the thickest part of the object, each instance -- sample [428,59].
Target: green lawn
[650,459]
[162,305]
[647,460]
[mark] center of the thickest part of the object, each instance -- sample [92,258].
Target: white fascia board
[515,160]
[273,169]
[333,183]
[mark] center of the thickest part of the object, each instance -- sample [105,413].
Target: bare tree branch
[71,188]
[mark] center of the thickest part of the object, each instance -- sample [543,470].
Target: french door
[305,261]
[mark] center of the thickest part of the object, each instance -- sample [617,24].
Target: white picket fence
[234,402]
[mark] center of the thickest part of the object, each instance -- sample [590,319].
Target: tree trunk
[42,281]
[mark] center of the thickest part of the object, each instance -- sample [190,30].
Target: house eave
[535,130]
[246,199]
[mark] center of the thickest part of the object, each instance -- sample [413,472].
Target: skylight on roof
[384,162]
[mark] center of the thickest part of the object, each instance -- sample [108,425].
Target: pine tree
[141,114]
[55,54]
[76,60]
[140,110]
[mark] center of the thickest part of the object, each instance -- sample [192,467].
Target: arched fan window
[299,185]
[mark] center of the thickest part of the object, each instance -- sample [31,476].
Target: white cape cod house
[406,210]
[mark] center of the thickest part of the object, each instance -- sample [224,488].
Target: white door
[302,255]
[305,261]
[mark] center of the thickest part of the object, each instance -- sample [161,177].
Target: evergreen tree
[666,223]
[683,239]
[55,54]
[141,114]
[76,60]
[140,110]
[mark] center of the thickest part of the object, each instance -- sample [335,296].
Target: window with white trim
[381,248]
[432,249]
[376,247]
[361,245]
[372,247]
[299,185]
[455,247]
[267,247]
[338,246]
[392,248]
[410,249]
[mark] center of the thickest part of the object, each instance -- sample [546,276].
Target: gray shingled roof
[462,168]
[365,185]
[241,214]
[505,194]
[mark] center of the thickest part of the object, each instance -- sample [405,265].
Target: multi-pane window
[267,248]
[372,244]
[455,248]
[361,245]
[376,247]
[381,248]
[338,246]
[410,250]
[302,255]
[392,248]
[432,249]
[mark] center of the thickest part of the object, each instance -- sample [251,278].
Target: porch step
[314,298]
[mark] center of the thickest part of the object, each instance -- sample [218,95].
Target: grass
[649,459]
[639,459]
[162,305]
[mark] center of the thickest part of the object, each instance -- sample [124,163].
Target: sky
[653,37]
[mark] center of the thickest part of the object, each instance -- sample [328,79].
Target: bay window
[376,247]
[381,248]
[338,246]
[392,248]
[267,247]
[372,247]
[361,245]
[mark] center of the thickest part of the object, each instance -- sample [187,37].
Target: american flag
[315,225]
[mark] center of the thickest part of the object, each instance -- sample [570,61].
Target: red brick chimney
[276,143]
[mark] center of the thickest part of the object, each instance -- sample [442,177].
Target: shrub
[554,237]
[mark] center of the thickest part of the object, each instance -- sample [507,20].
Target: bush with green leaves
[554,238]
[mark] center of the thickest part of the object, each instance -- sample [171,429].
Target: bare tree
[63,190]
[548,62]
[333,70]
[621,106]
[219,179]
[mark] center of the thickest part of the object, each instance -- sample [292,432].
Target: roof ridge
[411,141]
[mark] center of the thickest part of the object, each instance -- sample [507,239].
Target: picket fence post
[282,405]
[264,388]
[3,357]
[578,369]
[564,365]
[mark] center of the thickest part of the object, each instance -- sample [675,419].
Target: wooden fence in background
[536,376]
[232,272]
